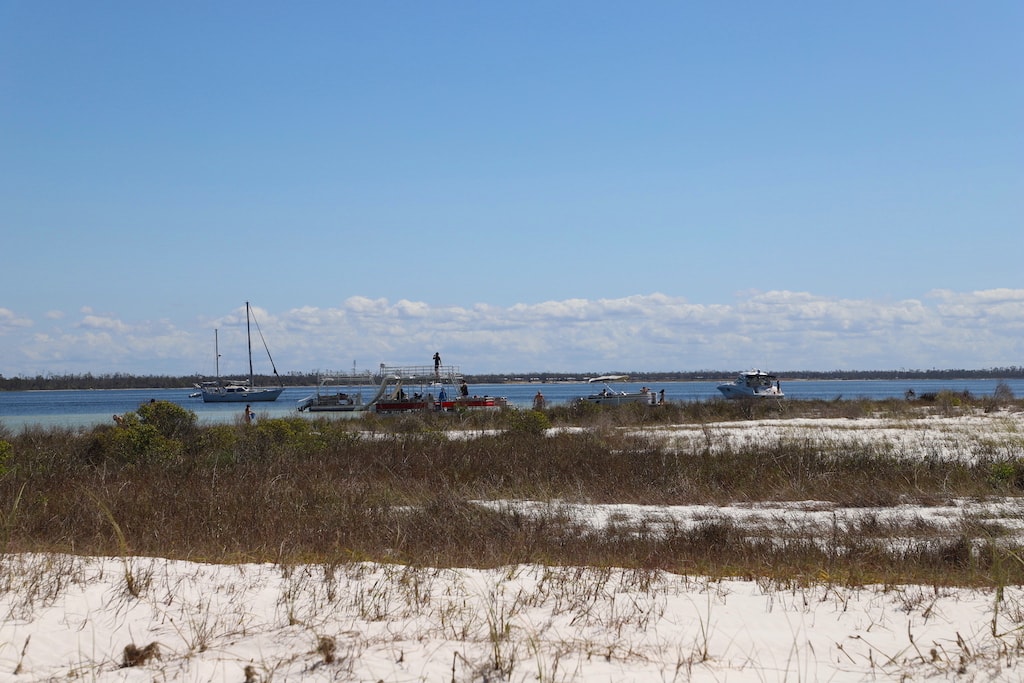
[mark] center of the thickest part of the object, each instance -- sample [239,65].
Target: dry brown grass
[298,490]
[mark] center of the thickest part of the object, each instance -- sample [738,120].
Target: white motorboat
[240,391]
[610,396]
[752,384]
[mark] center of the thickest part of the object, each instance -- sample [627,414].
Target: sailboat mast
[248,335]
[216,352]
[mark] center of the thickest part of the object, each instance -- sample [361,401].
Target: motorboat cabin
[752,384]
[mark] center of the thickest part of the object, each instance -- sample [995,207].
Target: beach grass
[442,490]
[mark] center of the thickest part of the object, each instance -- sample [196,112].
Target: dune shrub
[291,433]
[217,444]
[136,442]
[1007,474]
[169,419]
[528,421]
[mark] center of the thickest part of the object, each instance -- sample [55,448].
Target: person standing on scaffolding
[437,365]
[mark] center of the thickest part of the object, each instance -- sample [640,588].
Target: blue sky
[578,186]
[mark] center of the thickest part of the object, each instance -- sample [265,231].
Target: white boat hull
[612,397]
[618,399]
[731,391]
[226,395]
[326,404]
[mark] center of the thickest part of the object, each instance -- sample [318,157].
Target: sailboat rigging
[241,391]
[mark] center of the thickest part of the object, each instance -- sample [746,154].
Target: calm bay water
[87,408]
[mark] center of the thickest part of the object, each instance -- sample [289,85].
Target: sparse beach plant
[8,518]
[36,580]
[327,648]
[6,453]
[503,647]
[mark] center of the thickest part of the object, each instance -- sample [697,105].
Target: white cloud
[570,309]
[1000,295]
[361,304]
[9,321]
[782,330]
[102,323]
[412,309]
[1006,304]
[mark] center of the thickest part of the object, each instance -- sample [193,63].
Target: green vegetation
[403,489]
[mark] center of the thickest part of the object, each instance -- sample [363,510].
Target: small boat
[343,393]
[240,391]
[752,384]
[614,397]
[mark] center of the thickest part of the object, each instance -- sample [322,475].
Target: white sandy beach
[70,618]
[365,622]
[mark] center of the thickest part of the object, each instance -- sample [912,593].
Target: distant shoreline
[88,382]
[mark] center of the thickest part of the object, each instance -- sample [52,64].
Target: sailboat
[241,391]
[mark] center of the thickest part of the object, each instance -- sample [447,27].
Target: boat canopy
[609,378]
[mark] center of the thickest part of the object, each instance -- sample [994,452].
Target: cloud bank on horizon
[781,330]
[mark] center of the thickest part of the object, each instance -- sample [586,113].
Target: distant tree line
[119,380]
[305,379]
[1011,372]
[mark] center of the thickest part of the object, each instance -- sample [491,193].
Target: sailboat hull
[239,394]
